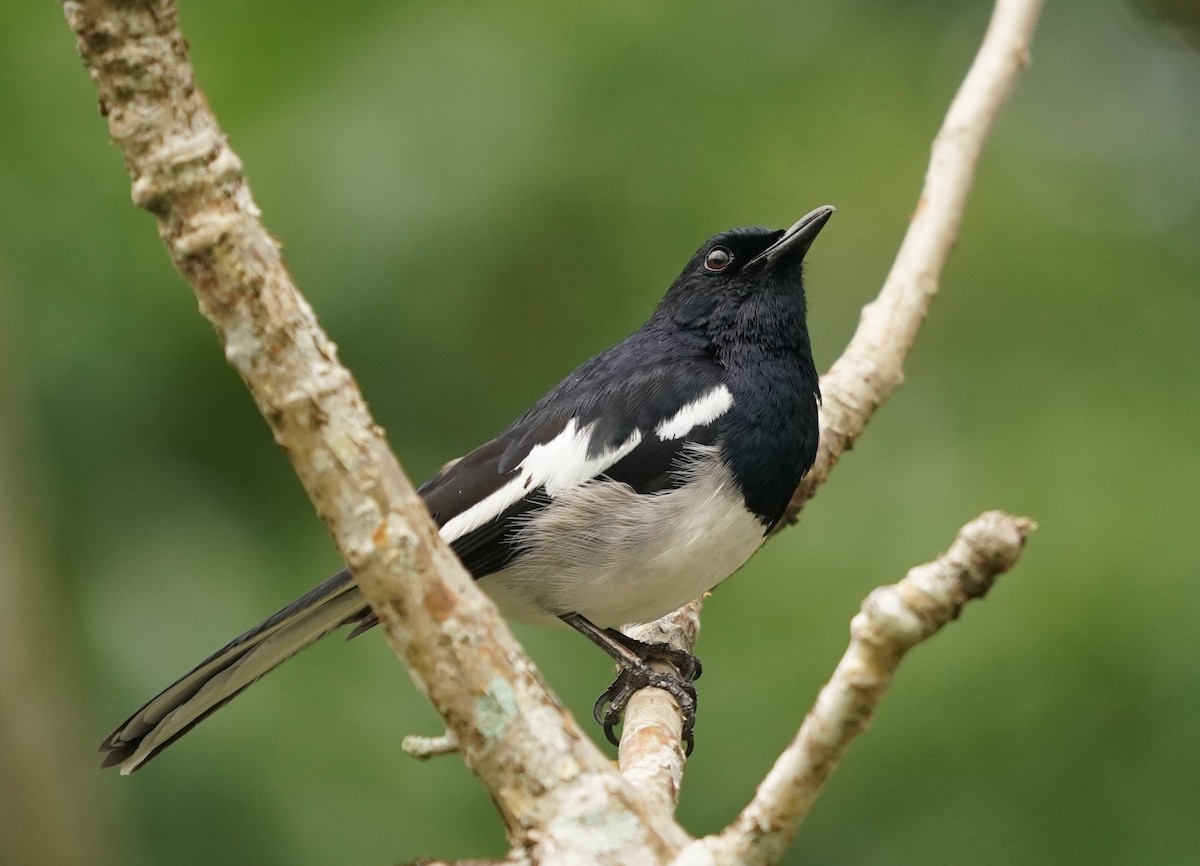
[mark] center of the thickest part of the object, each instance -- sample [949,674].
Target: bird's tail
[175,710]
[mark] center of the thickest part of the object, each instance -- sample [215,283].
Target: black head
[735,267]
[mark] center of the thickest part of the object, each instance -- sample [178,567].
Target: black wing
[611,418]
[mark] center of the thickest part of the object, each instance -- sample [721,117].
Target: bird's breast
[616,556]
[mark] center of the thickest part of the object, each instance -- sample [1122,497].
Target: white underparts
[616,556]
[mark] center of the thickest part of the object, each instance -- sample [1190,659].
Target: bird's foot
[610,706]
[688,665]
[633,658]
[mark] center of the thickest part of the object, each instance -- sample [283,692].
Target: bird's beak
[796,240]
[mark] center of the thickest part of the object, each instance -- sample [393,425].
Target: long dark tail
[175,710]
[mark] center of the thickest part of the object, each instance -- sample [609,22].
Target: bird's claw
[610,706]
[688,665]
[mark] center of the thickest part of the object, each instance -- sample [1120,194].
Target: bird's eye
[718,259]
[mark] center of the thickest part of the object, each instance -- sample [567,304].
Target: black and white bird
[645,478]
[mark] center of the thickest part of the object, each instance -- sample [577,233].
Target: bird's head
[742,265]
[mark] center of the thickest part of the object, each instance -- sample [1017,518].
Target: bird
[642,480]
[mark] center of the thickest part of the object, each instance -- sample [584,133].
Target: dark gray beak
[796,240]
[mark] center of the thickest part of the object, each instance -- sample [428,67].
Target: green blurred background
[477,197]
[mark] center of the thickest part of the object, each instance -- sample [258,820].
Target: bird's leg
[633,658]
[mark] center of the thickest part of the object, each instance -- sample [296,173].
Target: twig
[424,748]
[893,620]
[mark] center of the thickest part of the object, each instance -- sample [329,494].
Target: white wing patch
[557,465]
[563,462]
[703,410]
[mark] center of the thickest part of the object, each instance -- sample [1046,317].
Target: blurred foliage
[477,197]
[1179,17]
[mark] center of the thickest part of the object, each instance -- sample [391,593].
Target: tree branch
[650,756]
[872,368]
[539,767]
[893,620]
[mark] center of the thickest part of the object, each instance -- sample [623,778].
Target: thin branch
[893,620]
[651,757]
[871,368]
[541,770]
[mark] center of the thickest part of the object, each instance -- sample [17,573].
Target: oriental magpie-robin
[642,480]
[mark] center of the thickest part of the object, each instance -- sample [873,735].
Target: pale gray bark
[893,620]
